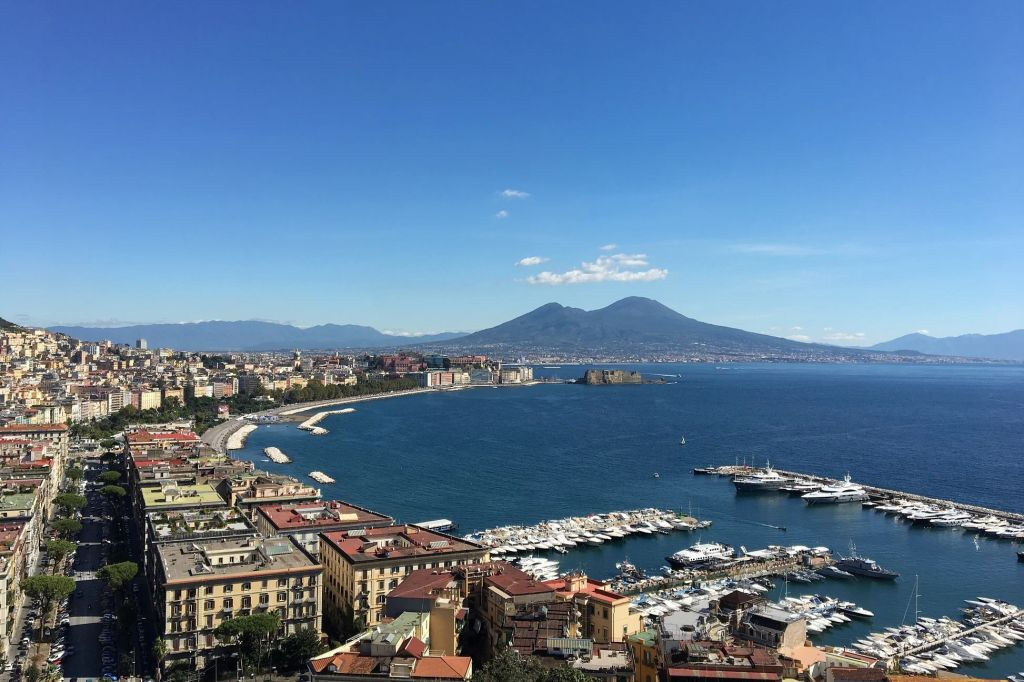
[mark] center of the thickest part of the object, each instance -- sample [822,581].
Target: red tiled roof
[412,542]
[23,428]
[593,588]
[413,647]
[449,667]
[513,581]
[422,584]
[143,436]
[284,516]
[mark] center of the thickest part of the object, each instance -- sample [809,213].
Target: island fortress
[611,376]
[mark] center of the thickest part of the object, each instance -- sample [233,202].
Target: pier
[928,646]
[311,423]
[276,456]
[236,441]
[875,492]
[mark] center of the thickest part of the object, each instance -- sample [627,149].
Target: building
[304,521]
[251,490]
[141,344]
[198,585]
[362,566]
[646,649]
[402,648]
[607,616]
[146,399]
[717,661]
[200,524]
[146,439]
[612,376]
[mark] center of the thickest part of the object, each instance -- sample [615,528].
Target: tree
[159,654]
[67,528]
[47,589]
[59,549]
[110,476]
[251,634]
[69,502]
[509,666]
[117,576]
[108,443]
[298,648]
[75,473]
[113,491]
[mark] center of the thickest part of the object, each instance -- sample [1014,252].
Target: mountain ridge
[1003,346]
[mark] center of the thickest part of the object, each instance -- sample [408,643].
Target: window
[246,602]
[393,584]
[282,596]
[264,599]
[208,589]
[210,604]
[380,584]
[228,602]
[229,588]
[246,587]
[282,582]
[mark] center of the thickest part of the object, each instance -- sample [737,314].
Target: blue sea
[492,456]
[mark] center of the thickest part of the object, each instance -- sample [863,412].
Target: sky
[826,171]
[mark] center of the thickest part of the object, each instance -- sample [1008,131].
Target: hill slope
[1006,346]
[632,324]
[248,336]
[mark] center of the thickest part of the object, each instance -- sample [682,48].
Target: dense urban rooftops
[232,557]
[396,542]
[198,523]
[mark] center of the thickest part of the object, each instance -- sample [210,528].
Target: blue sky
[846,172]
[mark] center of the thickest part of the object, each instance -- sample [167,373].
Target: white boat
[700,553]
[837,494]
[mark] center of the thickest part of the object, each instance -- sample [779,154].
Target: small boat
[682,440]
[657,475]
[833,572]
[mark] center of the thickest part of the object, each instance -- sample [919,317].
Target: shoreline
[236,438]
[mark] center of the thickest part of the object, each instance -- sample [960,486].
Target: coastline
[236,439]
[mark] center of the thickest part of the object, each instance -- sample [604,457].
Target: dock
[876,492]
[276,456]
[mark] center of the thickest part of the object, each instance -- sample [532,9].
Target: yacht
[836,494]
[769,479]
[700,553]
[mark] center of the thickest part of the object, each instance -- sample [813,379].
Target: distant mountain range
[249,336]
[632,326]
[1006,346]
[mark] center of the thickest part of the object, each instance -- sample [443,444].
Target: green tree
[110,476]
[116,576]
[69,502]
[67,528]
[108,443]
[565,675]
[252,635]
[47,589]
[59,549]
[298,648]
[113,491]
[159,654]
[509,666]
[75,473]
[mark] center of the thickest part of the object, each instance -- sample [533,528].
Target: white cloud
[609,247]
[798,329]
[531,260]
[514,194]
[799,337]
[615,268]
[922,331]
[501,214]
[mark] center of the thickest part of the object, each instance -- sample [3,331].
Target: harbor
[275,455]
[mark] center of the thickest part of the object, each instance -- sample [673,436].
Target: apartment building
[304,521]
[249,491]
[200,584]
[362,566]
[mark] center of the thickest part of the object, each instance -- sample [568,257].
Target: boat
[865,567]
[835,572]
[682,440]
[657,475]
[1020,556]
[704,471]
[837,494]
[699,554]
[766,480]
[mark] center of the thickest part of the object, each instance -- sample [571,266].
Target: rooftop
[196,523]
[231,557]
[326,515]
[171,495]
[396,542]
[29,428]
[16,501]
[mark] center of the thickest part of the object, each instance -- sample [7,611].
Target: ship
[864,567]
[769,479]
[700,554]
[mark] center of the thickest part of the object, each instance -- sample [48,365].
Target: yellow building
[362,566]
[199,585]
[646,654]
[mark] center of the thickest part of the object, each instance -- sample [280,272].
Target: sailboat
[682,440]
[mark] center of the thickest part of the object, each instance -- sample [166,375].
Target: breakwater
[311,423]
[275,455]
[236,439]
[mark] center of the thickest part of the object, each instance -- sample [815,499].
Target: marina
[596,529]
[275,455]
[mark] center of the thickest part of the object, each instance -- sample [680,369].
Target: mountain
[1006,346]
[8,326]
[249,335]
[634,325]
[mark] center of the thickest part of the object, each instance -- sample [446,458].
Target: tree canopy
[252,634]
[69,502]
[298,648]
[47,588]
[509,666]
[67,528]
[75,473]
[117,576]
[113,491]
[110,476]
[59,549]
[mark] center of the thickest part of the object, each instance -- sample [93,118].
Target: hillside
[248,336]
[1005,346]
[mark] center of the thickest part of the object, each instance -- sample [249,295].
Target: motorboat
[699,554]
[760,481]
[837,494]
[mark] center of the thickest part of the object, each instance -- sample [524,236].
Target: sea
[491,456]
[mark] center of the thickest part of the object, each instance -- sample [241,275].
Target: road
[85,608]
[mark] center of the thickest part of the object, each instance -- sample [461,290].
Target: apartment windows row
[227,588]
